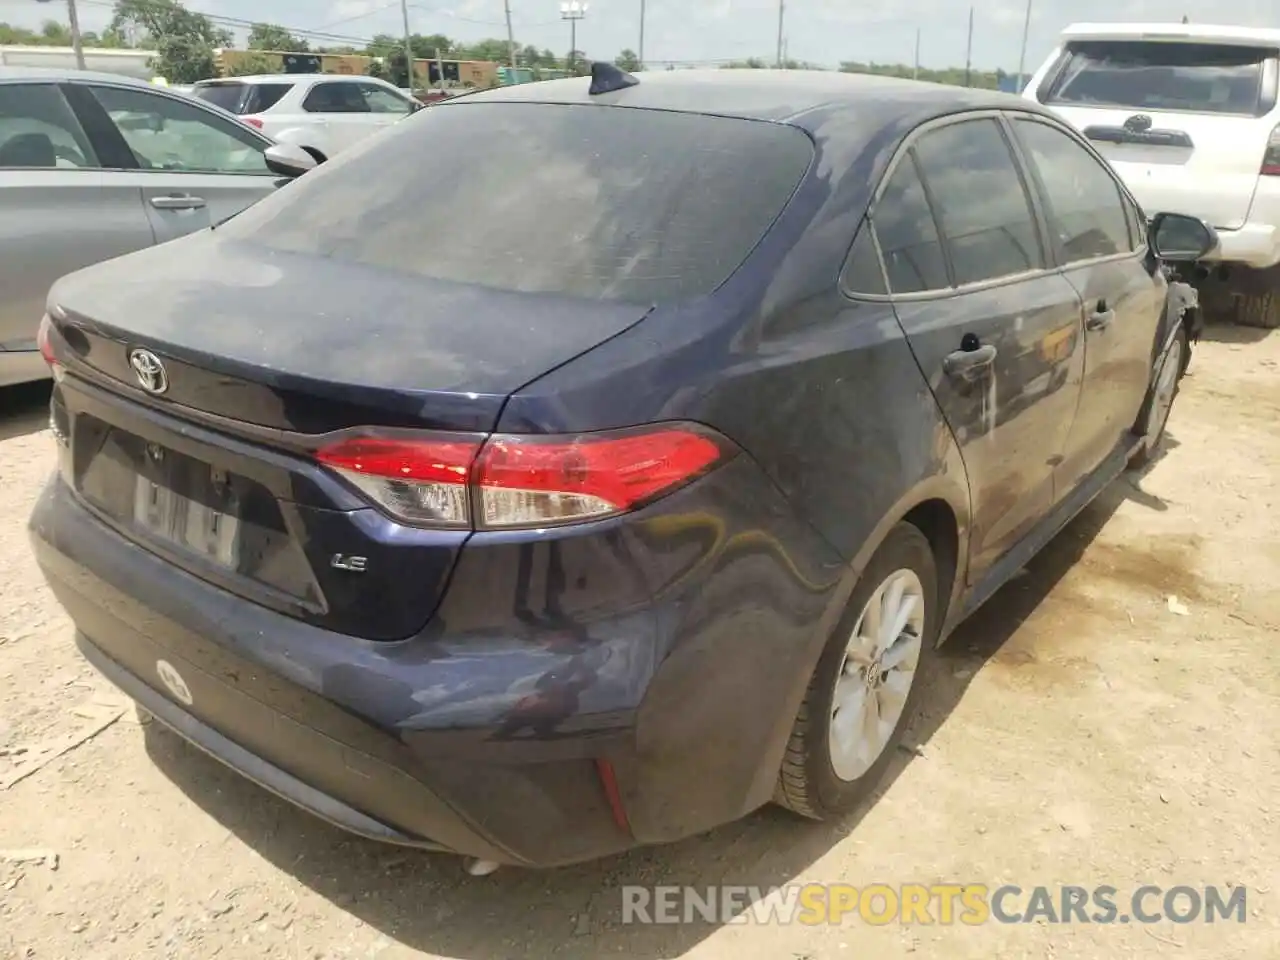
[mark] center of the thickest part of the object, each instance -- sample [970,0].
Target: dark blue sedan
[585,464]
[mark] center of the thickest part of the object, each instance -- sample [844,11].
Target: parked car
[534,552]
[1189,116]
[93,166]
[326,111]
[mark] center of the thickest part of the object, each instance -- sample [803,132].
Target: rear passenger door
[343,110]
[193,166]
[1103,253]
[59,209]
[992,325]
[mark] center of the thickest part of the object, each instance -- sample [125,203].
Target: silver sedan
[94,166]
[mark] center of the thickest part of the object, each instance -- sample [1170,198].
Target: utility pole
[511,38]
[782,5]
[77,42]
[915,68]
[1022,55]
[573,11]
[640,52]
[408,44]
[968,51]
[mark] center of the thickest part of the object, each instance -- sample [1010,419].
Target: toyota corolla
[620,475]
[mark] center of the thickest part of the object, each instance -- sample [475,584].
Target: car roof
[775,95]
[1174,32]
[280,78]
[58,74]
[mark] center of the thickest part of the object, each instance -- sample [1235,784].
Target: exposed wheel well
[937,521]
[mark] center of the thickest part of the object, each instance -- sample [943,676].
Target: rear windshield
[576,200]
[242,98]
[1154,75]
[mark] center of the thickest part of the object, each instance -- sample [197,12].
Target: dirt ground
[1081,729]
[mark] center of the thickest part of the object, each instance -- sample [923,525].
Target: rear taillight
[43,341]
[1271,159]
[507,481]
[419,480]
[252,121]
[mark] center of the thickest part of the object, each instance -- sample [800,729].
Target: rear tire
[1259,310]
[829,767]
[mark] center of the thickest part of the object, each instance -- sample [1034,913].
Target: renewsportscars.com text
[927,904]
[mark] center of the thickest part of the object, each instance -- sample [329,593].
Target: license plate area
[202,516]
[188,504]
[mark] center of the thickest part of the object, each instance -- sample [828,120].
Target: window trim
[1122,192]
[99,165]
[88,106]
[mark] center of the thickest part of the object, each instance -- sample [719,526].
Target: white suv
[1188,115]
[327,112]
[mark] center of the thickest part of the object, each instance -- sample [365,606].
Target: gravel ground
[1082,729]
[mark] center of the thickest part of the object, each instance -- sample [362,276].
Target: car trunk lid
[1185,122]
[263,355]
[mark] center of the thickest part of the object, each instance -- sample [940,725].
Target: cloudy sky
[823,31]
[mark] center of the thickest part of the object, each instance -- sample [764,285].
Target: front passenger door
[1122,293]
[194,167]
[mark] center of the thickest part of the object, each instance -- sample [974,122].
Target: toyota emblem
[149,371]
[1138,123]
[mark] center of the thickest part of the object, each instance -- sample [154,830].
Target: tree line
[185,42]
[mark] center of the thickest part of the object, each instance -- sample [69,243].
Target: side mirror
[1179,238]
[288,159]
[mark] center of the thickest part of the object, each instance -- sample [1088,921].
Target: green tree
[628,60]
[255,65]
[496,51]
[268,36]
[184,41]
[431,46]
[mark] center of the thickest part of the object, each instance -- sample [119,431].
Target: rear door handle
[1101,317]
[969,365]
[175,202]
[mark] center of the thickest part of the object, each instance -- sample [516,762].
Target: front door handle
[970,365]
[1101,317]
[178,202]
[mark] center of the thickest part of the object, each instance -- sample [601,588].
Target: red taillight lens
[522,481]
[252,121]
[422,481]
[1271,158]
[43,342]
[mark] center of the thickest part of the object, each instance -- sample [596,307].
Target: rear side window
[596,202]
[983,209]
[335,98]
[228,96]
[264,96]
[1154,75]
[1086,208]
[243,98]
[38,129]
[913,258]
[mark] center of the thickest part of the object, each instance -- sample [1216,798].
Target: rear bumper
[1255,245]
[469,738]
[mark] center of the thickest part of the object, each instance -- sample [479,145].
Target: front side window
[641,206]
[1086,208]
[1155,75]
[983,209]
[381,100]
[38,129]
[908,235]
[166,133]
[336,97]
